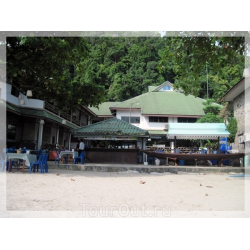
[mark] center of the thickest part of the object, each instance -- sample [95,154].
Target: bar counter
[111,155]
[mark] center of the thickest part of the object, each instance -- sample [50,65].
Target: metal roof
[197,130]
[236,90]
[110,127]
[39,113]
[164,103]
[103,109]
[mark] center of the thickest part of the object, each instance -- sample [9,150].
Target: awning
[197,130]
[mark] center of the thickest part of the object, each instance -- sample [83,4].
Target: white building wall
[29,103]
[144,120]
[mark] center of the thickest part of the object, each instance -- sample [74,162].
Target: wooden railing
[183,150]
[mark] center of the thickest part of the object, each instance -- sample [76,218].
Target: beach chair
[81,157]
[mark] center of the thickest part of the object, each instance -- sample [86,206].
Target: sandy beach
[65,193]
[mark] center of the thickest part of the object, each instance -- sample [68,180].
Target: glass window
[186,119]
[158,119]
[133,119]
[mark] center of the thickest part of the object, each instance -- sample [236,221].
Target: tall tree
[126,66]
[189,55]
[212,111]
[53,68]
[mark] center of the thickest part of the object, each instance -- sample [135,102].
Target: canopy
[197,130]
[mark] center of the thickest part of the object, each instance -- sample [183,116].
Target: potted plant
[104,144]
[214,147]
[211,147]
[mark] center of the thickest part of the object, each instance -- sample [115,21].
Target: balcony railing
[52,108]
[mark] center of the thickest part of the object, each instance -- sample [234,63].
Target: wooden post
[218,145]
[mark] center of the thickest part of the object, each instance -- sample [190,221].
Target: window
[158,119]
[188,120]
[11,132]
[133,119]
[166,88]
[14,91]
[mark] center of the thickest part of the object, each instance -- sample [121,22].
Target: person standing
[81,147]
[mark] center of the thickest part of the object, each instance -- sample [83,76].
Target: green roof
[165,103]
[40,113]
[113,126]
[151,88]
[103,109]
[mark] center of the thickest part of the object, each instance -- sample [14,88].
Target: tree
[126,66]
[53,68]
[212,111]
[232,127]
[190,52]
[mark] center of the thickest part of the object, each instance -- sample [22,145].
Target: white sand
[105,194]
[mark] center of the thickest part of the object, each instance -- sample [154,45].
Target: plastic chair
[57,157]
[44,162]
[37,164]
[39,152]
[81,157]
[23,151]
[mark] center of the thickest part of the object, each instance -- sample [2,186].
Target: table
[74,154]
[27,159]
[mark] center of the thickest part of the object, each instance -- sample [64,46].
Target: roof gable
[166,86]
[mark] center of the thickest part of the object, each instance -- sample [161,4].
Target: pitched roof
[164,103]
[38,113]
[103,110]
[113,126]
[236,90]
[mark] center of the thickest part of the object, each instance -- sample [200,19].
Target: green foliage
[232,127]
[189,55]
[53,68]
[210,118]
[126,66]
[211,112]
[211,145]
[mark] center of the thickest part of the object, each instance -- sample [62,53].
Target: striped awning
[197,130]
